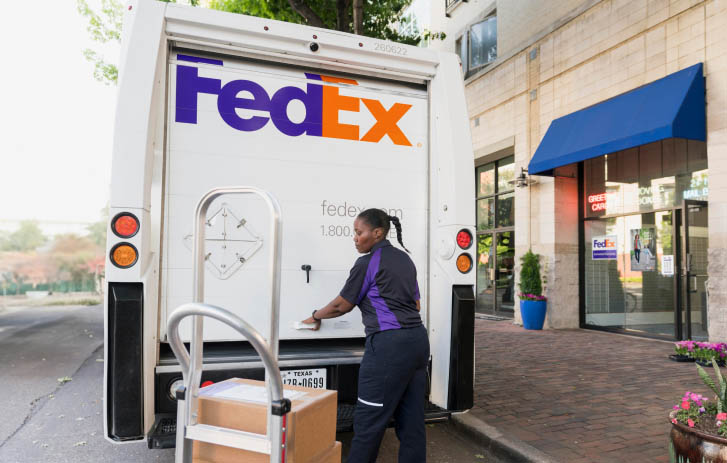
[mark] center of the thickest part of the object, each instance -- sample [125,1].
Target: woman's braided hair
[377,218]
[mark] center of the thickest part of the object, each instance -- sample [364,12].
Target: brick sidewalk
[580,396]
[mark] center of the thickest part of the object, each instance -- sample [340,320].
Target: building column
[715,70]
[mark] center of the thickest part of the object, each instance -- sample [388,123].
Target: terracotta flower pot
[689,444]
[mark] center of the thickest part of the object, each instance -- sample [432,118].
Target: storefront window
[630,273]
[506,210]
[486,214]
[633,229]
[486,179]
[656,176]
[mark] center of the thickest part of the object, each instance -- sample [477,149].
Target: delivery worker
[393,374]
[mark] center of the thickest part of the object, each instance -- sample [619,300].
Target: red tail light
[464,239]
[125,225]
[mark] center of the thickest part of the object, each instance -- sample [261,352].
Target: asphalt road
[47,420]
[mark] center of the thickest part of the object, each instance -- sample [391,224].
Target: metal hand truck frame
[188,428]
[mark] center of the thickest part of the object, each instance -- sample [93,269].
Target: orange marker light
[464,263]
[125,225]
[124,255]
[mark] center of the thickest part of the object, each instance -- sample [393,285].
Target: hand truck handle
[277,405]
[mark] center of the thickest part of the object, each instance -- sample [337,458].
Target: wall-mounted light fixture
[522,180]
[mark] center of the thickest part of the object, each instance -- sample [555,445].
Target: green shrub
[531,286]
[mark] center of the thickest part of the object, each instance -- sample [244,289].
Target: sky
[56,120]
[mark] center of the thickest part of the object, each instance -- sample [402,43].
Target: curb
[510,449]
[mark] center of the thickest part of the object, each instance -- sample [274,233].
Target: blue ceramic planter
[533,313]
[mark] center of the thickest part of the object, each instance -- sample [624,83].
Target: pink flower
[674,420]
[676,407]
[685,405]
[722,416]
[690,422]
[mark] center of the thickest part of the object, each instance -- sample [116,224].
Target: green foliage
[274,9]
[530,282]
[73,256]
[26,238]
[97,230]
[377,21]
[104,26]
[719,388]
[102,71]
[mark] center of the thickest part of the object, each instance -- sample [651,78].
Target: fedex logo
[605,247]
[322,103]
[605,243]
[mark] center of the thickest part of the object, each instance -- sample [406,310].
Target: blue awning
[672,107]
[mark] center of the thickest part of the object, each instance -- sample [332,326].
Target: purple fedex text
[190,84]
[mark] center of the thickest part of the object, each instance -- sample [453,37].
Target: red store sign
[597,202]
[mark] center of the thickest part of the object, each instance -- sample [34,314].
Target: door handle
[306,268]
[693,284]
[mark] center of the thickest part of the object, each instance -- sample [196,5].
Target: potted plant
[699,425]
[700,352]
[532,301]
[683,351]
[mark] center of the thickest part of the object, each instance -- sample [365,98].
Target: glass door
[695,242]
[504,275]
[495,205]
[486,273]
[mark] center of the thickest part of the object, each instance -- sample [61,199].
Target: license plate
[314,378]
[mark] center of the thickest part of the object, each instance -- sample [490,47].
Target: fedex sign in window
[605,247]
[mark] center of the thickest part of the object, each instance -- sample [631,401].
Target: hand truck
[188,428]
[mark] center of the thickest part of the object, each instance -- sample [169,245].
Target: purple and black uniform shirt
[383,284]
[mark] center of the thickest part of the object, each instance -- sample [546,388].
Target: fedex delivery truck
[330,124]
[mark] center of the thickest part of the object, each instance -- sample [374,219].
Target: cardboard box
[242,404]
[331,455]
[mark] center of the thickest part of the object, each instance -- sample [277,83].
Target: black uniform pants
[392,382]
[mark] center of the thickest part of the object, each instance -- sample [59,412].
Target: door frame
[684,302]
[495,232]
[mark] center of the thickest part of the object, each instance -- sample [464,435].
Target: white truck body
[209,99]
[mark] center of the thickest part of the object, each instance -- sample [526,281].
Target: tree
[12,268]
[75,257]
[27,237]
[97,230]
[104,27]
[372,18]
